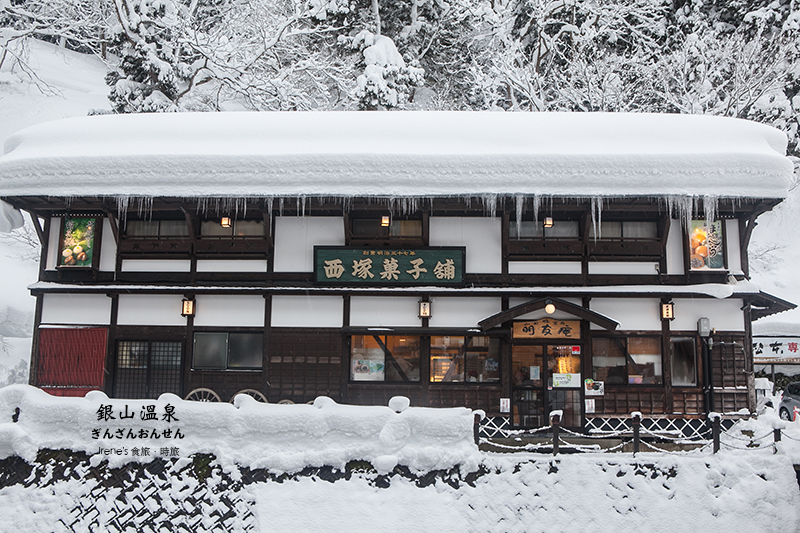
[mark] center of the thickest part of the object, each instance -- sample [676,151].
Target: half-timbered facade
[515,263]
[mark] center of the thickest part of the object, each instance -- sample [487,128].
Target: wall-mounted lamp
[549,307]
[187,307]
[226,222]
[668,311]
[425,310]
[385,221]
[548,222]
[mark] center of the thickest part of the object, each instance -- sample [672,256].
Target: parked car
[790,401]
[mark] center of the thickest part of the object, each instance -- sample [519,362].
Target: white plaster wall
[732,246]
[230,310]
[307,311]
[390,311]
[482,237]
[150,310]
[462,312]
[156,265]
[675,248]
[52,243]
[725,315]
[633,314]
[536,315]
[108,248]
[231,265]
[622,267]
[84,309]
[544,267]
[295,238]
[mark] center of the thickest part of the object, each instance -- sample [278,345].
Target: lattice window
[147,369]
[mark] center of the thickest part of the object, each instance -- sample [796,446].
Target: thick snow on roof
[397,154]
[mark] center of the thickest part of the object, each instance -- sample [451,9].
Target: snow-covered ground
[749,486]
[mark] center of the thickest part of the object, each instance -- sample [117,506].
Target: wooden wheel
[252,393]
[202,395]
[286,402]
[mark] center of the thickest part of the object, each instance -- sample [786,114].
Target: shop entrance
[546,377]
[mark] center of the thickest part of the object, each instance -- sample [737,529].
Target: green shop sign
[376,266]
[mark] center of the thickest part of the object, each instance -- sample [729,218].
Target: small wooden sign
[547,328]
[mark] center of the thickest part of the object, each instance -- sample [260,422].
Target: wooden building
[515,263]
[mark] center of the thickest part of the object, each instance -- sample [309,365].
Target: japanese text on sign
[358,265]
[147,423]
[547,328]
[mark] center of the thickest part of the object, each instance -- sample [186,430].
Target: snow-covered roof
[396,154]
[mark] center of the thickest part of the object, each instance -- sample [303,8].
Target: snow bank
[281,438]
[400,154]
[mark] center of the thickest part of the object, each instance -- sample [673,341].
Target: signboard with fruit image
[705,245]
[77,243]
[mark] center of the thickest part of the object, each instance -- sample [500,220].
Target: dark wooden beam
[561,305]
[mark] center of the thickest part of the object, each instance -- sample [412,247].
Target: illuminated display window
[627,360]
[705,245]
[465,359]
[384,358]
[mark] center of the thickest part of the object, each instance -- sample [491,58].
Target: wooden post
[715,427]
[637,421]
[776,433]
[554,421]
[476,429]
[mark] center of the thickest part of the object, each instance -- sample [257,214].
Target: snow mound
[281,438]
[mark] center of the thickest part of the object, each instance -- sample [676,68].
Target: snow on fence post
[637,421]
[555,419]
[716,420]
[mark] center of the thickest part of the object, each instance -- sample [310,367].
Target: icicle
[537,202]
[122,208]
[519,201]
[490,204]
[710,208]
[597,213]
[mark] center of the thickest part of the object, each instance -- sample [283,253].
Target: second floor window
[156,229]
[547,229]
[228,227]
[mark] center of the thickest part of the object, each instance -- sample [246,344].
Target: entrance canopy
[540,303]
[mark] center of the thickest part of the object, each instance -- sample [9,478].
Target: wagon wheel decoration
[286,402]
[253,393]
[203,395]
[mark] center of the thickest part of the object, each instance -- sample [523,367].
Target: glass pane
[406,228]
[563,228]
[684,367]
[369,227]
[608,360]
[568,401]
[644,365]
[639,230]
[483,360]
[366,359]
[132,354]
[245,350]
[248,228]
[210,350]
[174,228]
[447,358]
[610,230]
[166,355]
[528,409]
[213,228]
[565,363]
[526,365]
[402,359]
[141,228]
[528,228]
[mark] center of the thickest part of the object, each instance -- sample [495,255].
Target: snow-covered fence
[281,438]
